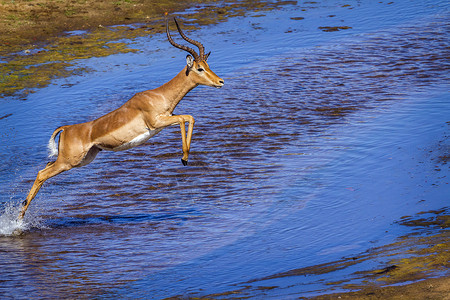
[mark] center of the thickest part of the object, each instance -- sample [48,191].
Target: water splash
[11,225]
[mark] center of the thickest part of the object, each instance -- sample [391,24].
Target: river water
[319,142]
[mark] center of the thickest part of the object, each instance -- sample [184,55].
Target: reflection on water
[304,157]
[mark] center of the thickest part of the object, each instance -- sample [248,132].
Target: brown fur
[146,113]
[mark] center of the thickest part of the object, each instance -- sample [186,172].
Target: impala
[132,124]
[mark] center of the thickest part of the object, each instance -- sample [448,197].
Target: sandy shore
[29,22]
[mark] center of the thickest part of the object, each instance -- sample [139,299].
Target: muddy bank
[416,257]
[415,266]
[25,22]
[30,22]
[436,288]
[36,47]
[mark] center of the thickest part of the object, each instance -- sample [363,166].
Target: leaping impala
[132,124]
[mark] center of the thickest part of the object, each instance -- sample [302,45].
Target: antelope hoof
[184,162]
[17,232]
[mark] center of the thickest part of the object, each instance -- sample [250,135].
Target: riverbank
[28,22]
[37,45]
[435,288]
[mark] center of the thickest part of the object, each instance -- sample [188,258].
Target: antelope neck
[177,88]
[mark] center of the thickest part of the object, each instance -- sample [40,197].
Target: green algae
[35,66]
[23,72]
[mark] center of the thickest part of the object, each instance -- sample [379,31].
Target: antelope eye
[200,69]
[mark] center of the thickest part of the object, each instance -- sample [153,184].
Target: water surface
[317,144]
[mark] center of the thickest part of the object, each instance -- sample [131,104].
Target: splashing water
[11,225]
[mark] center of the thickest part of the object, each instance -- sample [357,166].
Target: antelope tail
[52,147]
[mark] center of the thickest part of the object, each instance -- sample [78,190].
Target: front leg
[164,121]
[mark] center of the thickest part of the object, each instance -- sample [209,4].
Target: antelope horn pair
[197,57]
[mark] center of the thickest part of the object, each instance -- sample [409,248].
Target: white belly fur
[139,140]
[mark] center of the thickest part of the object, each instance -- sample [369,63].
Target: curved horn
[193,42]
[185,48]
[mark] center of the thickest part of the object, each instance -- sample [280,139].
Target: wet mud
[414,257]
[30,62]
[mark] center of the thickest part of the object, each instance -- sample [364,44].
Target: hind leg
[80,157]
[52,169]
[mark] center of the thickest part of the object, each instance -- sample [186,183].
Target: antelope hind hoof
[184,162]
[17,232]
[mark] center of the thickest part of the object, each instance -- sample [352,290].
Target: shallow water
[317,144]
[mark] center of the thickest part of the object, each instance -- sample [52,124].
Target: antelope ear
[189,61]
[207,55]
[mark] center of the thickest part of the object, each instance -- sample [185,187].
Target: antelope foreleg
[186,139]
[164,121]
[191,121]
[184,144]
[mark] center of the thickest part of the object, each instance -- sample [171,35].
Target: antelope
[132,124]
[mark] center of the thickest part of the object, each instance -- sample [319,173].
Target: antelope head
[197,67]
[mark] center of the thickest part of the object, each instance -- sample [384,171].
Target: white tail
[130,125]
[52,147]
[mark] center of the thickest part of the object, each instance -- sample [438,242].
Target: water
[317,144]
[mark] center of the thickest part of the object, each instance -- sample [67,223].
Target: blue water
[318,143]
